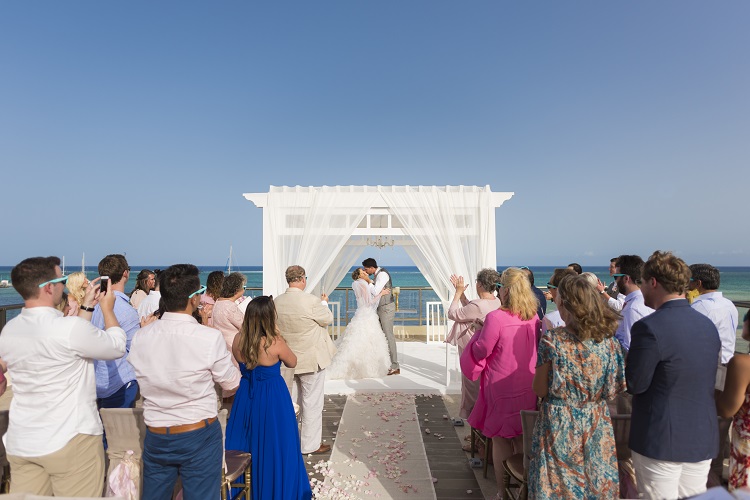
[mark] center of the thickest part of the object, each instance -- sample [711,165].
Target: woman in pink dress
[77,285]
[464,313]
[503,356]
[227,317]
[214,283]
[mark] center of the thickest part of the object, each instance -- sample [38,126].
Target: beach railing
[412,311]
[4,313]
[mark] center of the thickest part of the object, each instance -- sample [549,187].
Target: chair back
[528,421]
[621,427]
[126,431]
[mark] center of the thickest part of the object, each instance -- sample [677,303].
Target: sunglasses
[197,292]
[61,279]
[551,286]
[617,275]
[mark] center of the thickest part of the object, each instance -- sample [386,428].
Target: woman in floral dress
[734,401]
[580,367]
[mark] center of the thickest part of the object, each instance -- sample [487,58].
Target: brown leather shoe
[396,371]
[324,448]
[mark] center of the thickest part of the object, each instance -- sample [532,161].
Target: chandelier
[380,242]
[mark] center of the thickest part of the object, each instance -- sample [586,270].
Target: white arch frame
[444,229]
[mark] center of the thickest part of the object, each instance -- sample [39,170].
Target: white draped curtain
[346,258]
[310,227]
[451,231]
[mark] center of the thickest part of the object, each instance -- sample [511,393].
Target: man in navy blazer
[671,372]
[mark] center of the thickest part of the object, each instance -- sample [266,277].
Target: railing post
[419,306]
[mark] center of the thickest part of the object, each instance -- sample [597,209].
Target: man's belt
[179,429]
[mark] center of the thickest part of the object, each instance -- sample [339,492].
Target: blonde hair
[521,300]
[258,330]
[591,278]
[589,317]
[76,287]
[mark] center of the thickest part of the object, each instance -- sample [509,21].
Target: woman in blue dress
[262,419]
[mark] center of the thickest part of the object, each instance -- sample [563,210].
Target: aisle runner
[378,452]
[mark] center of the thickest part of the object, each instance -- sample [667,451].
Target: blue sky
[135,127]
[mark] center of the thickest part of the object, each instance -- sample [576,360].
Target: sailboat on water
[230,261]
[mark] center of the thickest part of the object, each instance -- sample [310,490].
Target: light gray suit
[386,314]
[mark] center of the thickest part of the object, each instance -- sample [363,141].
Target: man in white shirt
[386,307]
[54,439]
[706,279]
[628,280]
[712,303]
[177,361]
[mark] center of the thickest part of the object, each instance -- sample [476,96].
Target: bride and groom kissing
[367,349]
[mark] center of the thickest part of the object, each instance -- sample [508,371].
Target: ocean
[735,284]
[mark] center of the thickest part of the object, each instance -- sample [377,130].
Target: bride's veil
[363,295]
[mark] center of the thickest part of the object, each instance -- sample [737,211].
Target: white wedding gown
[362,349]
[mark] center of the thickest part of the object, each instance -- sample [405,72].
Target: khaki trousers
[76,470]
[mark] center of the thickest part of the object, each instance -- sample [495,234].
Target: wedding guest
[464,313]
[54,439]
[77,285]
[542,309]
[580,367]
[575,266]
[152,302]
[612,289]
[552,319]
[671,373]
[303,320]
[214,283]
[628,278]
[116,386]
[145,282]
[503,355]
[711,303]
[706,279]
[227,317]
[734,402]
[262,421]
[177,361]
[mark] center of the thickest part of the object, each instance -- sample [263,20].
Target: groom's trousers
[387,313]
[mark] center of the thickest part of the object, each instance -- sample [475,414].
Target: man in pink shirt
[177,361]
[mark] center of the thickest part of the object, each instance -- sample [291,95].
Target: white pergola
[444,229]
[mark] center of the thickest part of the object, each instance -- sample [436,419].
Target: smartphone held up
[104,284]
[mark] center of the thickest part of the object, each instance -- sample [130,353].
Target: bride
[362,349]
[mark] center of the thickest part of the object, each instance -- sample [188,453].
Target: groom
[386,307]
